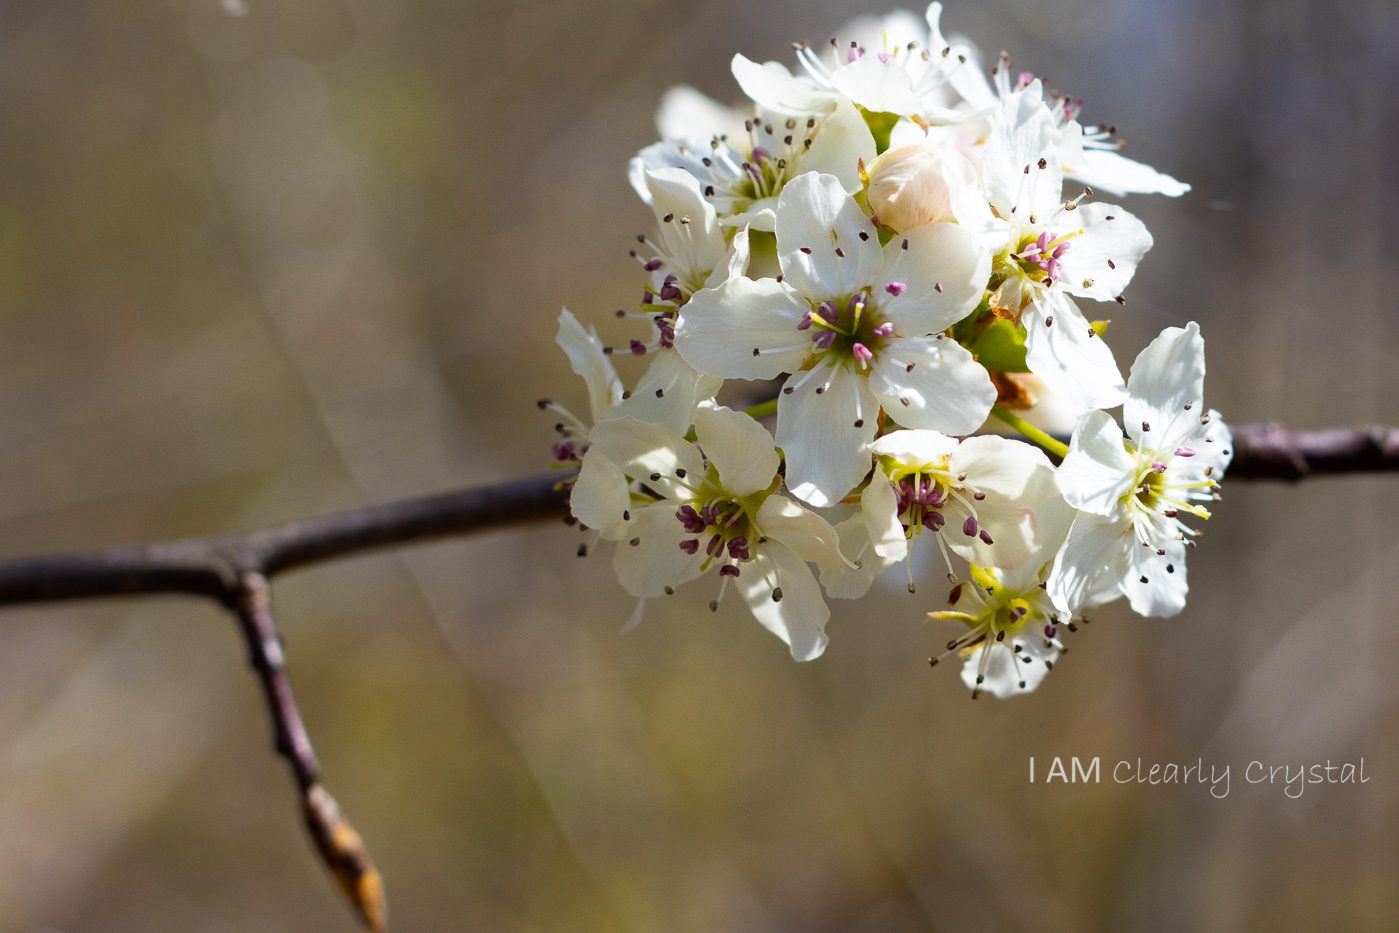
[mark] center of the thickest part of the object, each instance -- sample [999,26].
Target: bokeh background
[259,266]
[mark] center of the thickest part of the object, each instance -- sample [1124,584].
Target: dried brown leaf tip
[344,853]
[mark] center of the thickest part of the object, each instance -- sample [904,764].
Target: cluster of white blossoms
[879,249]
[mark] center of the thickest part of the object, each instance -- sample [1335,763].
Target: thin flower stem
[1053,445]
[762,409]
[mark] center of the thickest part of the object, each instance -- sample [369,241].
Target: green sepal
[1000,347]
[881,126]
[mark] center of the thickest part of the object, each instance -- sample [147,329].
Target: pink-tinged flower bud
[907,188]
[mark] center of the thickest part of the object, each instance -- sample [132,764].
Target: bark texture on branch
[213,566]
[1272,451]
[339,845]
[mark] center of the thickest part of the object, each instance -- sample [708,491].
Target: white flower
[690,250]
[1052,251]
[1013,635]
[975,497]
[588,358]
[851,322]
[905,75]
[666,395]
[742,180]
[1129,538]
[1087,153]
[711,506]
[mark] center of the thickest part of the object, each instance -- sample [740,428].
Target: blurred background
[259,266]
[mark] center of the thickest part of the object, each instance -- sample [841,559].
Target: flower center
[1151,486]
[1038,257]
[851,331]
[1014,614]
[926,491]
[764,174]
[721,527]
[1005,617]
[733,177]
[1156,490]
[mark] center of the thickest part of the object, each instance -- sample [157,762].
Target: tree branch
[1271,451]
[339,845]
[235,570]
[212,566]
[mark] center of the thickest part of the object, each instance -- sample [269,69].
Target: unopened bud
[907,187]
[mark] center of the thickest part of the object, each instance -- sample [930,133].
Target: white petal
[1093,560]
[687,154]
[969,204]
[636,616]
[739,447]
[1017,479]
[840,142]
[879,506]
[1003,671]
[719,328]
[1102,260]
[807,534]
[1098,472]
[827,455]
[844,582]
[584,351]
[943,270]
[877,86]
[642,450]
[815,218]
[601,495]
[947,389]
[772,87]
[1010,468]
[1035,650]
[1022,132]
[1215,449]
[1053,519]
[915,448]
[799,617]
[1167,375]
[884,32]
[680,388]
[692,240]
[933,17]
[1156,584]
[735,264]
[655,561]
[760,215]
[1116,174]
[906,133]
[1076,366]
[687,113]
[967,78]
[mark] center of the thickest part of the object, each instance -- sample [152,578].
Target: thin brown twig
[339,844]
[235,570]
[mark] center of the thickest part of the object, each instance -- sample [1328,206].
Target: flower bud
[907,187]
